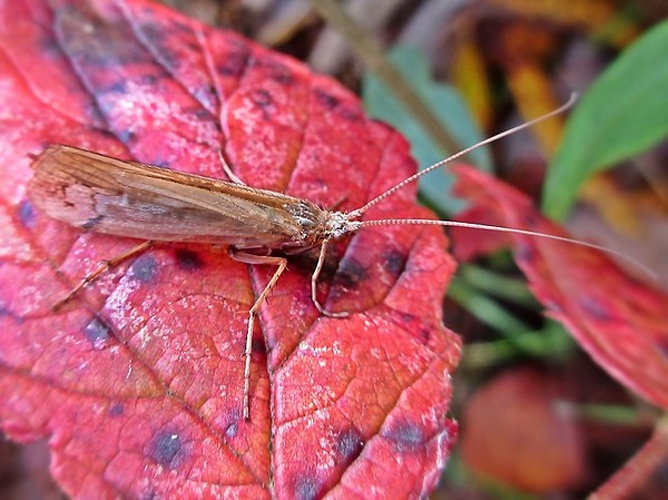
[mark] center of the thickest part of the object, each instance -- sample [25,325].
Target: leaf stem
[639,469]
[485,309]
[498,285]
[550,342]
[372,55]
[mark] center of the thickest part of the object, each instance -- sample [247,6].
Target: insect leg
[233,177]
[314,285]
[104,266]
[246,258]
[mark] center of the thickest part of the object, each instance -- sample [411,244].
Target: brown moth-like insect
[102,194]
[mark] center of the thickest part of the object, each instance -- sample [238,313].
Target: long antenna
[502,229]
[356,213]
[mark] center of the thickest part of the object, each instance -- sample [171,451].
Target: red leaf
[618,320]
[514,430]
[138,381]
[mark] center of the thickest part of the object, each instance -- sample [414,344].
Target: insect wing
[107,195]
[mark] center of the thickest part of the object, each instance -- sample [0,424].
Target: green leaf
[449,108]
[624,113]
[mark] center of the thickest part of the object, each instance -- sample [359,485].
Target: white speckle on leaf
[325,455]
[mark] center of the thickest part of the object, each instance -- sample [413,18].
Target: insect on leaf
[137,381]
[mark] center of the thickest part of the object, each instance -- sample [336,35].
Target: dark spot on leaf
[351,273]
[351,115]
[412,323]
[177,30]
[48,46]
[306,262]
[92,222]
[143,269]
[125,136]
[306,489]
[406,436]
[258,345]
[116,409]
[97,333]
[662,346]
[166,449]
[274,70]
[109,48]
[93,43]
[262,98]
[162,35]
[115,87]
[283,76]
[350,444]
[201,95]
[193,46]
[26,214]
[231,430]
[326,99]
[321,183]
[334,104]
[595,309]
[188,260]
[4,310]
[234,64]
[178,26]
[394,261]
[170,58]
[148,79]
[525,252]
[103,131]
[528,219]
